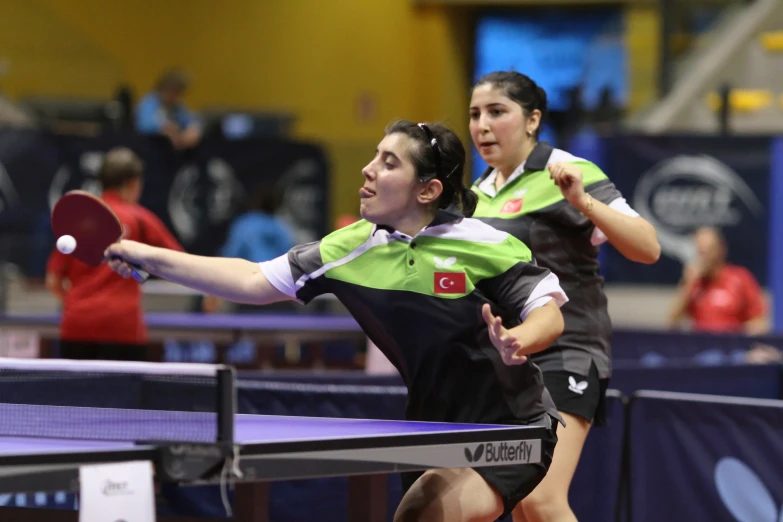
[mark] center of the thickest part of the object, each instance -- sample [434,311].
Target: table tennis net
[113,401]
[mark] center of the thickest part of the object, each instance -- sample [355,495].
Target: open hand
[507,344]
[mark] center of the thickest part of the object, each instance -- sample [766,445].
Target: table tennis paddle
[92,223]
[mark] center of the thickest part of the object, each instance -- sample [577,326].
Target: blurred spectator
[259,234]
[717,296]
[761,353]
[102,312]
[164,112]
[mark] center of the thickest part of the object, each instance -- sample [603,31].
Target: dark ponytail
[440,155]
[469,200]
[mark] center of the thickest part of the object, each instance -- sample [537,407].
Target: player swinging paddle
[453,303]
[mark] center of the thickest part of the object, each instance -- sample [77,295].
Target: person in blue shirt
[256,234]
[163,112]
[259,234]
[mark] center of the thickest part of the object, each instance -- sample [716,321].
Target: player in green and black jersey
[456,305]
[563,208]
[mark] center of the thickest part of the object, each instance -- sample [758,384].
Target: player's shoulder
[479,238]
[345,240]
[141,212]
[591,173]
[739,272]
[473,229]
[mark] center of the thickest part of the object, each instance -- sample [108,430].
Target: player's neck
[713,273]
[125,194]
[506,170]
[412,225]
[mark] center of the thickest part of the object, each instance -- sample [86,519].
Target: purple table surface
[33,446]
[258,322]
[271,428]
[120,425]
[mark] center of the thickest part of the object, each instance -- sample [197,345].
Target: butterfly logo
[744,494]
[474,456]
[576,387]
[444,263]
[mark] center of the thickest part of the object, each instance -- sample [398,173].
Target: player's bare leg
[549,501]
[453,495]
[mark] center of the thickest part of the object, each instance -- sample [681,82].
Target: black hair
[520,88]
[439,154]
[266,198]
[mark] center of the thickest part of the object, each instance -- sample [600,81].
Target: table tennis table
[291,329]
[271,448]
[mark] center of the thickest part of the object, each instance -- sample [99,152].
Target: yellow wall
[312,58]
[642,39]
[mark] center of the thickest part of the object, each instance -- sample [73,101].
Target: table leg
[156,352]
[317,358]
[251,502]
[367,497]
[265,354]
[47,350]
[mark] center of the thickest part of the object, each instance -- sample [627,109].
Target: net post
[226,404]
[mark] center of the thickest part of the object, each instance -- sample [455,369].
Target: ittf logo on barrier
[500,452]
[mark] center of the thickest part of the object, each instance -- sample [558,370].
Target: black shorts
[513,483]
[579,395]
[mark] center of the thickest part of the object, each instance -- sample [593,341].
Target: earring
[529,134]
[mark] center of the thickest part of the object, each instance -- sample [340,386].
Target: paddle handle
[137,272]
[139,275]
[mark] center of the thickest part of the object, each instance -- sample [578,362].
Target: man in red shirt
[102,312]
[717,296]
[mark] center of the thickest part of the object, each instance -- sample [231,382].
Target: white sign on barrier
[20,344]
[113,492]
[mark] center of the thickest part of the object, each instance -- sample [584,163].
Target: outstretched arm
[235,280]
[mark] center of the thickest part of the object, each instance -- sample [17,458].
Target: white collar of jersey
[450,214]
[537,160]
[488,185]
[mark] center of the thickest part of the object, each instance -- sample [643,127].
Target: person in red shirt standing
[102,316]
[717,296]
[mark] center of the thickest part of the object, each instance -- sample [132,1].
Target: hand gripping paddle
[93,225]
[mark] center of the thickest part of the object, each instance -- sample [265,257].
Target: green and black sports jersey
[419,300]
[531,207]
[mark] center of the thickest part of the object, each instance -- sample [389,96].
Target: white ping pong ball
[66,244]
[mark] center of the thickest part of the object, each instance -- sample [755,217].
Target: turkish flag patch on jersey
[512,206]
[450,283]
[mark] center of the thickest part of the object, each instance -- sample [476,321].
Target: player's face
[390,191]
[498,126]
[172,96]
[709,248]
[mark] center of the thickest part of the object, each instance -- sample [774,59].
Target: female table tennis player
[563,207]
[452,302]
[102,313]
